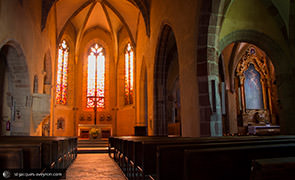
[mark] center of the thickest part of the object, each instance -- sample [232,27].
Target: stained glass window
[62,73]
[95,77]
[129,55]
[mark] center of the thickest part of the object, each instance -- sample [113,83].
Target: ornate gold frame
[261,66]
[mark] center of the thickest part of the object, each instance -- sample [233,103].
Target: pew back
[55,152]
[170,158]
[148,153]
[31,154]
[230,162]
[11,157]
[273,168]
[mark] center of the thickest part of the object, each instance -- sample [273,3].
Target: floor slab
[93,167]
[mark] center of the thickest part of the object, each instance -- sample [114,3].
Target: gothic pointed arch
[256,89]
[62,73]
[16,90]
[211,21]
[166,73]
[252,83]
[95,97]
[129,74]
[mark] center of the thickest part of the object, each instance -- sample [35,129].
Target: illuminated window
[62,73]
[129,74]
[95,77]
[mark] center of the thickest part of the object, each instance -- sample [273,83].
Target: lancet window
[96,77]
[62,73]
[129,76]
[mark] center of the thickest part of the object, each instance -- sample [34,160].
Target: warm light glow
[129,78]
[62,73]
[95,78]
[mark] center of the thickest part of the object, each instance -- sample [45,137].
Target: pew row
[11,158]
[273,168]
[230,162]
[38,152]
[144,157]
[169,168]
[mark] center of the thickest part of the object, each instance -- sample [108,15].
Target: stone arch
[165,52]
[211,18]
[284,70]
[16,90]
[210,21]
[261,40]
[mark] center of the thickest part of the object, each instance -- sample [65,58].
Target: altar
[84,129]
[264,130]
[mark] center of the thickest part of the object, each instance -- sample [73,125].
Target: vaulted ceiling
[109,15]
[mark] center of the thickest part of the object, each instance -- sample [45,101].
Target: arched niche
[255,79]
[167,102]
[15,91]
[249,94]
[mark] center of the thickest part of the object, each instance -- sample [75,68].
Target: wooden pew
[230,163]
[31,154]
[111,147]
[170,158]
[50,148]
[135,149]
[11,158]
[274,168]
[145,151]
[125,149]
[142,150]
[118,146]
[57,152]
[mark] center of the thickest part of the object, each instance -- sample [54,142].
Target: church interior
[180,69]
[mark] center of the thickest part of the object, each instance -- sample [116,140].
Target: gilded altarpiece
[254,92]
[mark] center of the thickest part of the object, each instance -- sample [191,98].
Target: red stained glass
[62,73]
[95,77]
[129,77]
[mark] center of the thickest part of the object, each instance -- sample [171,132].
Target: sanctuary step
[93,146]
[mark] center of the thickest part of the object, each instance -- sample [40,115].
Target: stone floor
[93,167]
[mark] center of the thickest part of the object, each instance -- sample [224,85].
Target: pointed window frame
[129,74]
[62,73]
[96,75]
